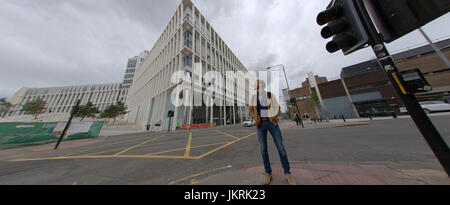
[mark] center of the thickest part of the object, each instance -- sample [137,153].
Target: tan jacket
[274,109]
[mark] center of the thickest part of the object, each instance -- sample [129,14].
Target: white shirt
[263,102]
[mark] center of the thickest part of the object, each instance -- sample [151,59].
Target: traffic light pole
[298,111]
[423,123]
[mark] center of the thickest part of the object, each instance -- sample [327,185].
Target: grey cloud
[44,41]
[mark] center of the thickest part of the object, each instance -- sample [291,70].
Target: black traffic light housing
[293,101]
[396,18]
[344,24]
[170,113]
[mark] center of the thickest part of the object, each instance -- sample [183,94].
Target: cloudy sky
[45,43]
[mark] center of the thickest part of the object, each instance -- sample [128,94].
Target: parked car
[431,106]
[446,99]
[249,123]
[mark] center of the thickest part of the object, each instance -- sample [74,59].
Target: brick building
[364,87]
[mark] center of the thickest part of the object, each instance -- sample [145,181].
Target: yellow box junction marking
[225,145]
[135,146]
[179,149]
[227,134]
[146,145]
[188,146]
[147,156]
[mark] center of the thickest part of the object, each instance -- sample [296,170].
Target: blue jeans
[265,126]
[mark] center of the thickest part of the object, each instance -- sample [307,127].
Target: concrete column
[234,115]
[211,120]
[224,111]
[154,117]
[350,98]
[313,83]
[242,114]
[175,116]
[166,107]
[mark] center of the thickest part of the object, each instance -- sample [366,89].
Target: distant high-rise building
[132,65]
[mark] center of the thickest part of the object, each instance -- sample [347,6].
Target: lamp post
[284,71]
[287,83]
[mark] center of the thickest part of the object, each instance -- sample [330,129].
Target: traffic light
[293,101]
[343,22]
[395,19]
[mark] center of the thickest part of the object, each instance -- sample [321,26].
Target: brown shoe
[290,179]
[267,179]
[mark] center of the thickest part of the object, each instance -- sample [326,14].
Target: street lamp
[287,82]
[284,71]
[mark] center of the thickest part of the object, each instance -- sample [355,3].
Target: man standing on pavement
[297,118]
[264,110]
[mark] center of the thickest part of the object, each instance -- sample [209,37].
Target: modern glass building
[188,40]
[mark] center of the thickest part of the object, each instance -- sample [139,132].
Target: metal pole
[170,122]
[287,82]
[423,123]
[298,113]
[435,48]
[74,111]
[192,105]
[285,76]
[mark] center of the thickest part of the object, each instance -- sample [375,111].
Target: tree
[88,110]
[34,107]
[5,106]
[113,111]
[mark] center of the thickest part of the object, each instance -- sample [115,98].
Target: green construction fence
[14,134]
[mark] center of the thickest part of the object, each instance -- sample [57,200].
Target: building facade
[319,80]
[430,64]
[304,102]
[187,40]
[364,88]
[60,100]
[370,90]
[132,65]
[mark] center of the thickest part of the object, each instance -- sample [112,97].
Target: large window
[188,39]
[188,17]
[187,61]
[132,63]
[368,86]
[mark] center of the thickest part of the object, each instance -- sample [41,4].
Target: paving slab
[331,174]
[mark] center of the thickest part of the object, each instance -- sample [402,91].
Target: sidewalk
[336,174]
[284,125]
[289,124]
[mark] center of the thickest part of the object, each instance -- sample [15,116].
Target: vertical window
[188,61]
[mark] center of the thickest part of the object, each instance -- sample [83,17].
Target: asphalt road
[163,158]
